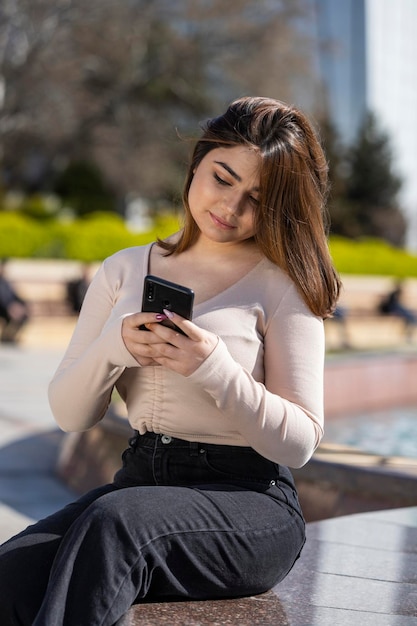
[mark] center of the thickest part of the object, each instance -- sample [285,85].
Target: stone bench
[354,570]
[341,480]
[367,330]
[364,326]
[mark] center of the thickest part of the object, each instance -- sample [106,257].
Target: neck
[226,250]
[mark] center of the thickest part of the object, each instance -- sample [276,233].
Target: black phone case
[160,294]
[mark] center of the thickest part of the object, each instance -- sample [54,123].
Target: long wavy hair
[291,219]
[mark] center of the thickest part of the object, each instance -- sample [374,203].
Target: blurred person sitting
[391,304]
[13,309]
[76,290]
[340,316]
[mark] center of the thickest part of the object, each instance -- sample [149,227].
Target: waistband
[216,461]
[161,439]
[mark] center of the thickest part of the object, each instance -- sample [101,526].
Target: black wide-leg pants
[181,520]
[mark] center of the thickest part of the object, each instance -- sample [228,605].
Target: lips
[221,223]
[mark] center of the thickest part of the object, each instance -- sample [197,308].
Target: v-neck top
[262,386]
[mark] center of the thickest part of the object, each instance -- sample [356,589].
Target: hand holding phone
[183,353]
[160,294]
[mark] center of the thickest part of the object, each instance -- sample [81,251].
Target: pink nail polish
[159,317]
[169,314]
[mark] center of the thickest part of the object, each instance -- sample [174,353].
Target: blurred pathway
[29,438]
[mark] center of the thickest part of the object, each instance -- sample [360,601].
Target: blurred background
[99,104]
[99,101]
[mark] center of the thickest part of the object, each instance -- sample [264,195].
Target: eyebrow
[232,172]
[229,169]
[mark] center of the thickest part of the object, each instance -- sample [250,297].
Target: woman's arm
[283,418]
[81,388]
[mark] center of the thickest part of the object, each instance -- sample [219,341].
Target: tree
[109,82]
[372,185]
[340,221]
[363,185]
[82,188]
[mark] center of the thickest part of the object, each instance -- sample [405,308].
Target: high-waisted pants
[181,520]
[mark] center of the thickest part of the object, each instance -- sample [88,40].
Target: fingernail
[159,317]
[169,314]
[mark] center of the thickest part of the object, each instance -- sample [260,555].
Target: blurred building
[366,56]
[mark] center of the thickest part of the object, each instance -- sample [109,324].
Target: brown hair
[291,217]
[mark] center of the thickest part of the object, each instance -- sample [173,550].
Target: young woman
[204,505]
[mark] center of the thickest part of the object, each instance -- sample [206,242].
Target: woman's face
[223,195]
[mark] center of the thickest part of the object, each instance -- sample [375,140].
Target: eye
[221,181]
[254,201]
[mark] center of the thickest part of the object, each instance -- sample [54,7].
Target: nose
[234,203]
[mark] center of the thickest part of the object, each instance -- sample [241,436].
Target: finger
[138,337]
[140,319]
[146,362]
[191,330]
[166,335]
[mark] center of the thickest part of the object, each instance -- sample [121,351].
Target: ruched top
[262,386]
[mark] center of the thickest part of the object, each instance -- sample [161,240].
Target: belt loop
[194,446]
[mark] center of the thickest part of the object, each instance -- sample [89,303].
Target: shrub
[40,206]
[20,236]
[87,239]
[372,257]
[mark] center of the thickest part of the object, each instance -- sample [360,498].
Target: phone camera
[150,292]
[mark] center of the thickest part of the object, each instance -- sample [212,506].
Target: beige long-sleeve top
[262,386]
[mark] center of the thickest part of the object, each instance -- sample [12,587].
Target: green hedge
[20,236]
[372,257]
[92,238]
[99,235]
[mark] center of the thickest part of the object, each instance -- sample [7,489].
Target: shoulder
[128,259]
[280,293]
[273,280]
[123,266]
[128,255]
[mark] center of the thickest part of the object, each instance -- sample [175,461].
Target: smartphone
[159,294]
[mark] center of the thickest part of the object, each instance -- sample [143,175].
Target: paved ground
[29,438]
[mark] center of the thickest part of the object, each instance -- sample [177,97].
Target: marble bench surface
[356,570]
